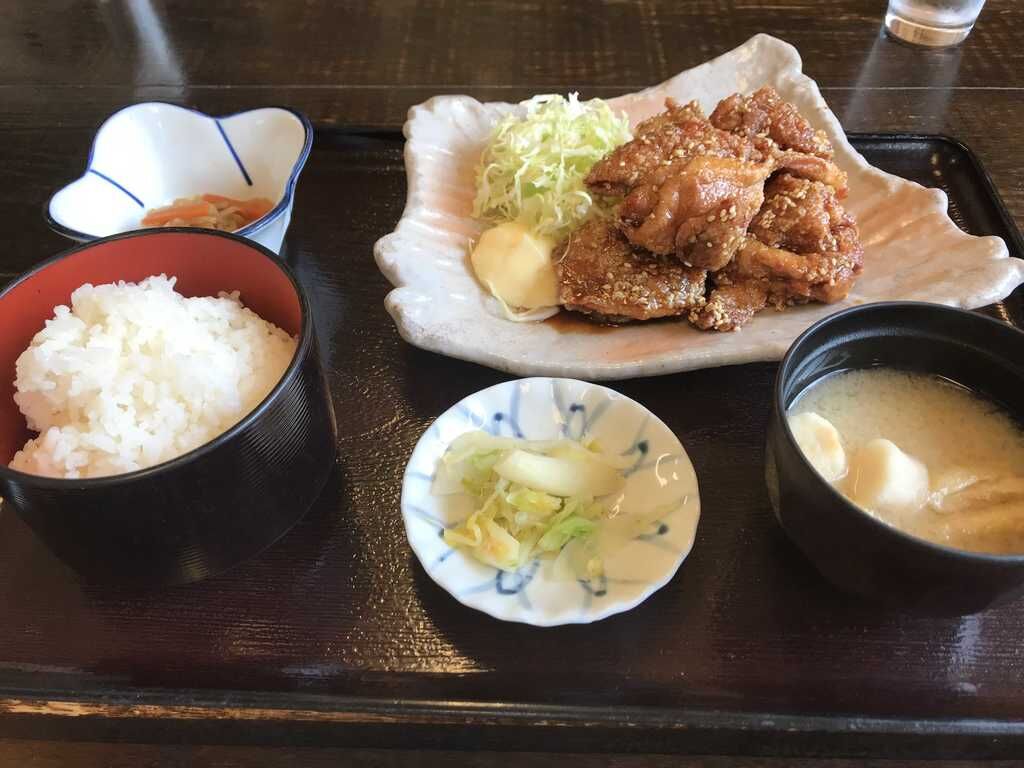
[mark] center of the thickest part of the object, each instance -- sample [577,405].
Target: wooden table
[66,65]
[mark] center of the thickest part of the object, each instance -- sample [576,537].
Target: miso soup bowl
[208,509]
[851,548]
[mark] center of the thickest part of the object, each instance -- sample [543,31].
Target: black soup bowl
[209,509]
[851,548]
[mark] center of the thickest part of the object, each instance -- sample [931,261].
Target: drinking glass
[933,23]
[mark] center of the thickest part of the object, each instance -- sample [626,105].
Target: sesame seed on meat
[601,275]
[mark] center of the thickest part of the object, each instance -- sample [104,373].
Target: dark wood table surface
[67,64]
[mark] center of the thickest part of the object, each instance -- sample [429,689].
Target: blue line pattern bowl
[659,477]
[147,155]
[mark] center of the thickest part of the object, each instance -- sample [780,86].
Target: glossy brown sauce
[574,322]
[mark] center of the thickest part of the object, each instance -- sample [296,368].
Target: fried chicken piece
[798,214]
[781,134]
[601,275]
[812,168]
[671,138]
[796,278]
[699,212]
[764,114]
[730,306]
[802,246]
[690,188]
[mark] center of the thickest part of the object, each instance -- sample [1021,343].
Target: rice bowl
[131,375]
[198,514]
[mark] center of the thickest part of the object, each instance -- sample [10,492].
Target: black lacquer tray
[337,636]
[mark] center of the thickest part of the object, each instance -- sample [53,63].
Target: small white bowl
[549,409]
[146,155]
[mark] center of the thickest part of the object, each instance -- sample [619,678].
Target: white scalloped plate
[912,249]
[661,476]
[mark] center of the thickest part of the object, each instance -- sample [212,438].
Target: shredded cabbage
[515,522]
[533,167]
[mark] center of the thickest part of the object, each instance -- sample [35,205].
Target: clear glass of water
[933,23]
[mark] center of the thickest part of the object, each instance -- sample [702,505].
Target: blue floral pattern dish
[660,477]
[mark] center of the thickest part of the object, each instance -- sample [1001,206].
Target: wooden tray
[336,635]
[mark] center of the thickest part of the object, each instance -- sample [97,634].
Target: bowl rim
[778,406]
[252,227]
[305,341]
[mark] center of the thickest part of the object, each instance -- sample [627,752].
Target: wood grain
[541,45]
[87,755]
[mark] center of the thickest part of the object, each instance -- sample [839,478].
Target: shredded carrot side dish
[210,211]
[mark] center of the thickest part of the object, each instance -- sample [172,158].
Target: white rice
[133,375]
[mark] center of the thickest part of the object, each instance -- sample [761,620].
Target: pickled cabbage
[532,497]
[532,169]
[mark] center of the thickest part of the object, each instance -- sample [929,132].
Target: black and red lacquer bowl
[211,508]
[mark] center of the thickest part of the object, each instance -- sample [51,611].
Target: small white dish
[146,155]
[550,409]
[913,251]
